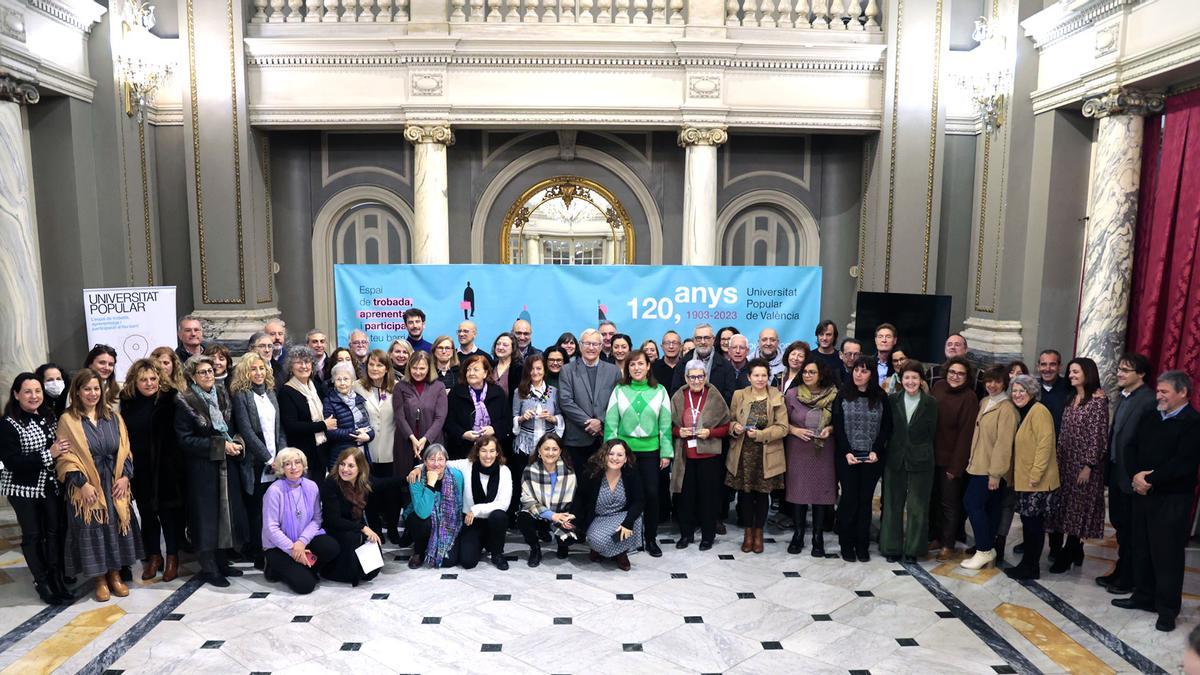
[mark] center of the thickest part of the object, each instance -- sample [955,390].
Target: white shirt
[266,419]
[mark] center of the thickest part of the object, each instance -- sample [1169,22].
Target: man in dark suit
[584,386]
[886,337]
[1162,463]
[316,340]
[720,374]
[1134,401]
[1056,391]
[277,329]
[191,338]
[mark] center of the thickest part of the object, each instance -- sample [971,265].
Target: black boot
[799,515]
[535,555]
[55,579]
[1056,544]
[999,549]
[818,537]
[46,593]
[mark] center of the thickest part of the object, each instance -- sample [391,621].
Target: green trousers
[904,527]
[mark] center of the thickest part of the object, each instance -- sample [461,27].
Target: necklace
[297,504]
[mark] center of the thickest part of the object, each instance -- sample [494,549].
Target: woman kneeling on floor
[434,514]
[294,544]
[608,505]
[343,502]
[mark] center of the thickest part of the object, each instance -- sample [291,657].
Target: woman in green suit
[908,474]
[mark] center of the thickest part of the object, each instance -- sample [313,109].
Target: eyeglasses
[1123,369]
[445,347]
[590,343]
[205,371]
[554,362]
[695,378]
[703,338]
[955,373]
[522,332]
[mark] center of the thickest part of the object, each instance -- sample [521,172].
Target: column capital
[15,90]
[434,133]
[1123,101]
[702,136]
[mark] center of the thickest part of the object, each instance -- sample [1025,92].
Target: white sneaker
[980,560]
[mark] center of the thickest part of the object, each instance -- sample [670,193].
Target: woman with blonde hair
[257,421]
[398,354]
[103,534]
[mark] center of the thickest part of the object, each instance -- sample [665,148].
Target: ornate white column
[431,207]
[700,193]
[1109,242]
[22,313]
[533,249]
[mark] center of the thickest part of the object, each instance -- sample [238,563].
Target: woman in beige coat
[757,460]
[990,466]
[1035,472]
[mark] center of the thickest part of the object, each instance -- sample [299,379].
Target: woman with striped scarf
[434,514]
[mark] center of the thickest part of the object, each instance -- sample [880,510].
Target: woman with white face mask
[54,388]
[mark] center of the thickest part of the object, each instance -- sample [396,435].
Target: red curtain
[1164,312]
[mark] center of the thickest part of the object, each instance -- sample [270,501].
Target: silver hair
[314,331]
[342,367]
[1027,383]
[189,317]
[194,362]
[1178,380]
[701,325]
[587,332]
[736,336]
[694,364]
[432,450]
[356,332]
[297,354]
[606,322]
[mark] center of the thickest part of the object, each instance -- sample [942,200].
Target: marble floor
[688,611]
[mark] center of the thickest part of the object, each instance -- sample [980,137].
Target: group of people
[297,458]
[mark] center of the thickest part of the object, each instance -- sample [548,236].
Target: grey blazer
[579,401]
[247,425]
[1124,430]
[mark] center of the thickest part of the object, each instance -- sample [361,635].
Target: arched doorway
[567,220]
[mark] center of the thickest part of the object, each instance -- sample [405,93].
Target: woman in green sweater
[639,413]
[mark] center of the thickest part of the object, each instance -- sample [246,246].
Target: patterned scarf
[214,410]
[482,419]
[818,400]
[445,521]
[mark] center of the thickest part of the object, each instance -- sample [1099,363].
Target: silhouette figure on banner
[468,302]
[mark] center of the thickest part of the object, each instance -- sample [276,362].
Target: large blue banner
[644,301]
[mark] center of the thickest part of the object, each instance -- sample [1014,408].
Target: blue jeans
[983,509]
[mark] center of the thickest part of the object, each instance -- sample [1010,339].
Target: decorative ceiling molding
[78,14]
[1069,17]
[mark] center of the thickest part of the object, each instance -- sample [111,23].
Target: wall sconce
[988,78]
[140,60]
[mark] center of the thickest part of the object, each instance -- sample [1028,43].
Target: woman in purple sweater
[294,545]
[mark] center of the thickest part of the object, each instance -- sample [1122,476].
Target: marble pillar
[1109,242]
[700,193]
[23,336]
[431,205]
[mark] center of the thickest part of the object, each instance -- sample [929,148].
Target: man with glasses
[720,374]
[664,367]
[466,342]
[360,346]
[584,387]
[851,350]
[262,344]
[524,332]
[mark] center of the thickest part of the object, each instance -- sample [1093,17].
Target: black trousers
[946,506]
[854,510]
[345,567]
[700,497]
[1160,532]
[421,529]
[1120,514]
[39,520]
[516,463]
[1033,530]
[167,525]
[579,455]
[754,506]
[383,504]
[253,503]
[646,464]
[301,578]
[483,533]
